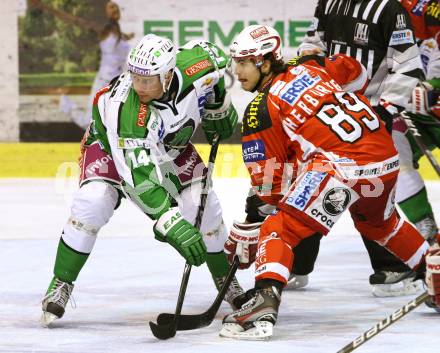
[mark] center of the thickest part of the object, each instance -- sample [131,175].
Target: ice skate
[394,284]
[55,300]
[428,228]
[235,295]
[256,318]
[296,282]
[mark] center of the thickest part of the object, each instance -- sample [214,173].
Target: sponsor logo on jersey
[433,10]
[253,151]
[256,117]
[197,67]
[156,125]
[260,31]
[361,33]
[326,220]
[400,21]
[190,163]
[336,200]
[391,166]
[252,119]
[99,166]
[367,172]
[304,190]
[418,8]
[207,82]
[142,115]
[401,37]
[293,91]
[130,143]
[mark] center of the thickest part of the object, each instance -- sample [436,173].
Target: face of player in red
[247,72]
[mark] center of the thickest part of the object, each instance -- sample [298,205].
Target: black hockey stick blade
[163,332]
[168,330]
[192,322]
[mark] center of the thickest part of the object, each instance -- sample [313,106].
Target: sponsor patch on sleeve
[404,36]
[253,151]
[197,67]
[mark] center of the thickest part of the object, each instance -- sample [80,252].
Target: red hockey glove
[433,273]
[243,242]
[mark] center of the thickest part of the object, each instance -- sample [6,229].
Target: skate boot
[55,300]
[394,284]
[430,304]
[256,318]
[235,295]
[296,281]
[428,228]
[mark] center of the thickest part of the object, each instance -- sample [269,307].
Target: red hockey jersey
[305,119]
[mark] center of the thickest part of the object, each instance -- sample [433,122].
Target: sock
[68,263]
[218,264]
[417,206]
[266,283]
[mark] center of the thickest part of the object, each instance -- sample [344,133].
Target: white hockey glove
[433,274]
[421,98]
[243,242]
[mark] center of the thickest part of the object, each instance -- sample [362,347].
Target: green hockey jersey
[145,139]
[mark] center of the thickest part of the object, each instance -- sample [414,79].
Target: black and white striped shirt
[379,34]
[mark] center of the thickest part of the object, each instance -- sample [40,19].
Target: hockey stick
[192,322]
[418,139]
[382,325]
[168,330]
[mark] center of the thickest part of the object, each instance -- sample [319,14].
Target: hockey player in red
[425,17]
[305,120]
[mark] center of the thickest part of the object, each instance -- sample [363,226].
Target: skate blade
[397,289]
[47,319]
[297,282]
[262,330]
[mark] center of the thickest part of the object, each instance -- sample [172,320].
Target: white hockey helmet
[257,41]
[153,55]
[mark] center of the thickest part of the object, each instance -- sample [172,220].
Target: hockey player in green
[425,114]
[138,144]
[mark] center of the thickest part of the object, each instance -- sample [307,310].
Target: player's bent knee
[94,203]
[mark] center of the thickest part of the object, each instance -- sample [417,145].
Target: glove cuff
[166,222]
[245,233]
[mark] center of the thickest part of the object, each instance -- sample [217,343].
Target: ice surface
[130,278]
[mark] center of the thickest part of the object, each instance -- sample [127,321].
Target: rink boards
[47,160]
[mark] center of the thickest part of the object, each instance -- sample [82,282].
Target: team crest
[336,200]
